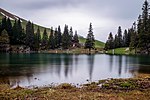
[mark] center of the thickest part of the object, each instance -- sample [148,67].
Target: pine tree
[4,38]
[120,40]
[76,39]
[90,41]
[4,23]
[59,37]
[52,39]
[9,29]
[30,37]
[110,42]
[56,38]
[37,39]
[66,38]
[71,36]
[21,34]
[116,43]
[45,39]
[0,28]
[144,40]
[15,34]
[125,39]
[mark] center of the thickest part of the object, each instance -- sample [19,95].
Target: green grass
[98,44]
[124,50]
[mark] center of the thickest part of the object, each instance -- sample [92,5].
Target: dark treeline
[137,37]
[15,34]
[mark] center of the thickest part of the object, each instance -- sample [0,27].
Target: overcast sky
[105,15]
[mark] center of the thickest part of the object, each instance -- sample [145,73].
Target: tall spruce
[4,38]
[21,34]
[51,41]
[15,33]
[30,37]
[9,29]
[144,40]
[76,38]
[120,40]
[0,28]
[66,38]
[125,39]
[38,39]
[59,37]
[4,23]
[110,42]
[56,38]
[116,43]
[71,36]
[90,41]
[134,40]
[45,39]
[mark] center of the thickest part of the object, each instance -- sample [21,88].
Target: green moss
[127,85]
[105,85]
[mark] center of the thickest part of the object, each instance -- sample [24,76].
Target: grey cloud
[120,11]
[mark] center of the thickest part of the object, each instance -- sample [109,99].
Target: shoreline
[131,88]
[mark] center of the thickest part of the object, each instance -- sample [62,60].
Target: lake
[45,69]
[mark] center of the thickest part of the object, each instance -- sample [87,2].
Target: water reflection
[43,69]
[90,65]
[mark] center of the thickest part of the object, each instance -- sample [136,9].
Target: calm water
[44,69]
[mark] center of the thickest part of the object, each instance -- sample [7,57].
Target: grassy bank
[98,44]
[121,51]
[74,51]
[113,89]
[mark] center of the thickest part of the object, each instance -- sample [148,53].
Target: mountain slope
[13,17]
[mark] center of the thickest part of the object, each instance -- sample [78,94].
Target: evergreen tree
[56,38]
[71,36]
[110,42]
[15,34]
[116,43]
[128,38]
[119,34]
[21,34]
[9,27]
[52,40]
[144,40]
[37,39]
[4,23]
[30,37]
[134,41]
[90,41]
[45,39]
[66,38]
[4,38]
[125,39]
[59,37]
[0,28]
[75,38]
